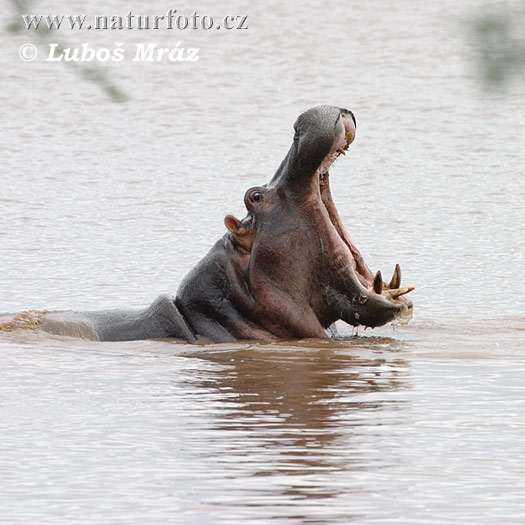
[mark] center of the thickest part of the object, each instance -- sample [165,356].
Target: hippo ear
[242,236]
[235,226]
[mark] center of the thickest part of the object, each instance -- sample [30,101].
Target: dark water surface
[106,205]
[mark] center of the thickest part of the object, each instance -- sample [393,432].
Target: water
[108,205]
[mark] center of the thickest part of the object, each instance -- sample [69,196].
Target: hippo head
[295,244]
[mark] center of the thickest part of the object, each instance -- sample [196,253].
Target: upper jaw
[317,131]
[344,136]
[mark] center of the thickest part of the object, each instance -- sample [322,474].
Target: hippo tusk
[395,282]
[378,283]
[400,291]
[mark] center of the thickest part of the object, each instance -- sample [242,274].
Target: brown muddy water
[107,205]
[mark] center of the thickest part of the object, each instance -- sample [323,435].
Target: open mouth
[344,136]
[390,291]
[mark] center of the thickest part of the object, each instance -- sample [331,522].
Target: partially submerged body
[288,270]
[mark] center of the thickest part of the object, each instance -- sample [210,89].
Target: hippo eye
[253,197]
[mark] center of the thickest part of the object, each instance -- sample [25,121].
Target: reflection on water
[252,432]
[294,420]
[299,403]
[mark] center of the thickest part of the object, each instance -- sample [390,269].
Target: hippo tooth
[378,283]
[400,291]
[395,282]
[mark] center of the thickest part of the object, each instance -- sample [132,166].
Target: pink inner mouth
[345,134]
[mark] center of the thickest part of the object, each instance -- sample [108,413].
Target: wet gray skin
[288,270]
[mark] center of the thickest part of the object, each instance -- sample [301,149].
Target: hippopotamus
[287,270]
